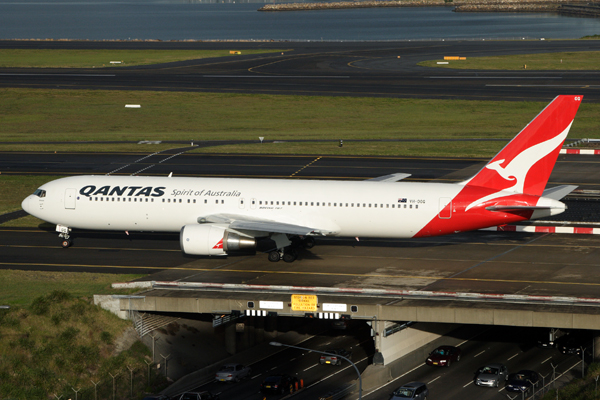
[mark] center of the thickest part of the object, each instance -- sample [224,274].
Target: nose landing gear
[64,234]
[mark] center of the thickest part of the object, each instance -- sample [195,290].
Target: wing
[389,178]
[242,222]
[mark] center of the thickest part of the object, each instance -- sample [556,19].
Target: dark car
[413,390]
[443,356]
[522,381]
[333,359]
[206,395]
[573,343]
[279,384]
[492,375]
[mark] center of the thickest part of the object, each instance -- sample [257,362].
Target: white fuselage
[340,208]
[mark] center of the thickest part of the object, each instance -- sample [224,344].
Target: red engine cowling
[211,240]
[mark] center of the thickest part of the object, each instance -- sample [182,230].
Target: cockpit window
[40,193]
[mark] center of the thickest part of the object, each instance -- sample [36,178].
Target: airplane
[217,216]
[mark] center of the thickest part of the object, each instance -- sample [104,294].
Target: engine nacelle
[211,240]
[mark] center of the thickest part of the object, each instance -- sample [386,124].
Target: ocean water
[188,20]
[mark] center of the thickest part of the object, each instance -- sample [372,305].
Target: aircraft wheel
[290,256]
[274,256]
[66,243]
[309,242]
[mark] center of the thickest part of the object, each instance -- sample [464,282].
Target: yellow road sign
[304,302]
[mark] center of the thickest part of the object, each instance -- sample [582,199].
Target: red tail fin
[525,163]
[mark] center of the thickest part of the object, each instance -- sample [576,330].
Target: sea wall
[459,6]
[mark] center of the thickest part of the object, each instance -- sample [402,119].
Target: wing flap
[389,178]
[245,223]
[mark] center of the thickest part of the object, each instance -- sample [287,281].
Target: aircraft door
[445,210]
[70,196]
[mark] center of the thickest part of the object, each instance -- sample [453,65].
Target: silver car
[232,373]
[492,375]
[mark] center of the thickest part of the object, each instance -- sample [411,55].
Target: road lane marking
[430,382]
[470,383]
[312,366]
[478,354]
[546,360]
[513,357]
[393,380]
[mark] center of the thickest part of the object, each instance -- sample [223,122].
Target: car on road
[334,358]
[413,390]
[205,395]
[491,375]
[279,384]
[574,342]
[522,381]
[232,373]
[443,356]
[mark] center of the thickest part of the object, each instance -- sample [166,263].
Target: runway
[479,261]
[373,69]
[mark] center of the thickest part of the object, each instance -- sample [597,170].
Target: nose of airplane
[25,205]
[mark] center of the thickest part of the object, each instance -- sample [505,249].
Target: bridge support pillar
[596,348]
[230,339]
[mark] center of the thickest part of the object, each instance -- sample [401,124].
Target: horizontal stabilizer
[389,178]
[558,192]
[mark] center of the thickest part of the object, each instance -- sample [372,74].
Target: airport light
[277,344]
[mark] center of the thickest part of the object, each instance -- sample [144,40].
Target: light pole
[328,354]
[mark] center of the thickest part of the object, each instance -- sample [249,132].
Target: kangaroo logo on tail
[525,164]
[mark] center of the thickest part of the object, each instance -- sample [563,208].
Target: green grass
[53,340]
[584,60]
[83,115]
[56,58]
[20,287]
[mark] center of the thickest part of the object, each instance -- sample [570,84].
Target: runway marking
[94,75]
[497,77]
[90,248]
[591,284]
[306,166]
[276,76]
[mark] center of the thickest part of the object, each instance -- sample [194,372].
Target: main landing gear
[64,233]
[288,252]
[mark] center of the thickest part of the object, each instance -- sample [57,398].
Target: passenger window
[312,204]
[205,201]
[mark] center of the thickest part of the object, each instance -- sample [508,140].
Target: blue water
[179,20]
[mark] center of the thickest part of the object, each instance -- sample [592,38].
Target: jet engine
[211,240]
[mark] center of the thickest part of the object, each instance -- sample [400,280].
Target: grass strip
[57,58]
[569,61]
[75,116]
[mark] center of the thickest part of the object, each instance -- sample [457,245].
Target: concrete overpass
[385,310]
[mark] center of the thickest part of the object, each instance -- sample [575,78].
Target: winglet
[525,163]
